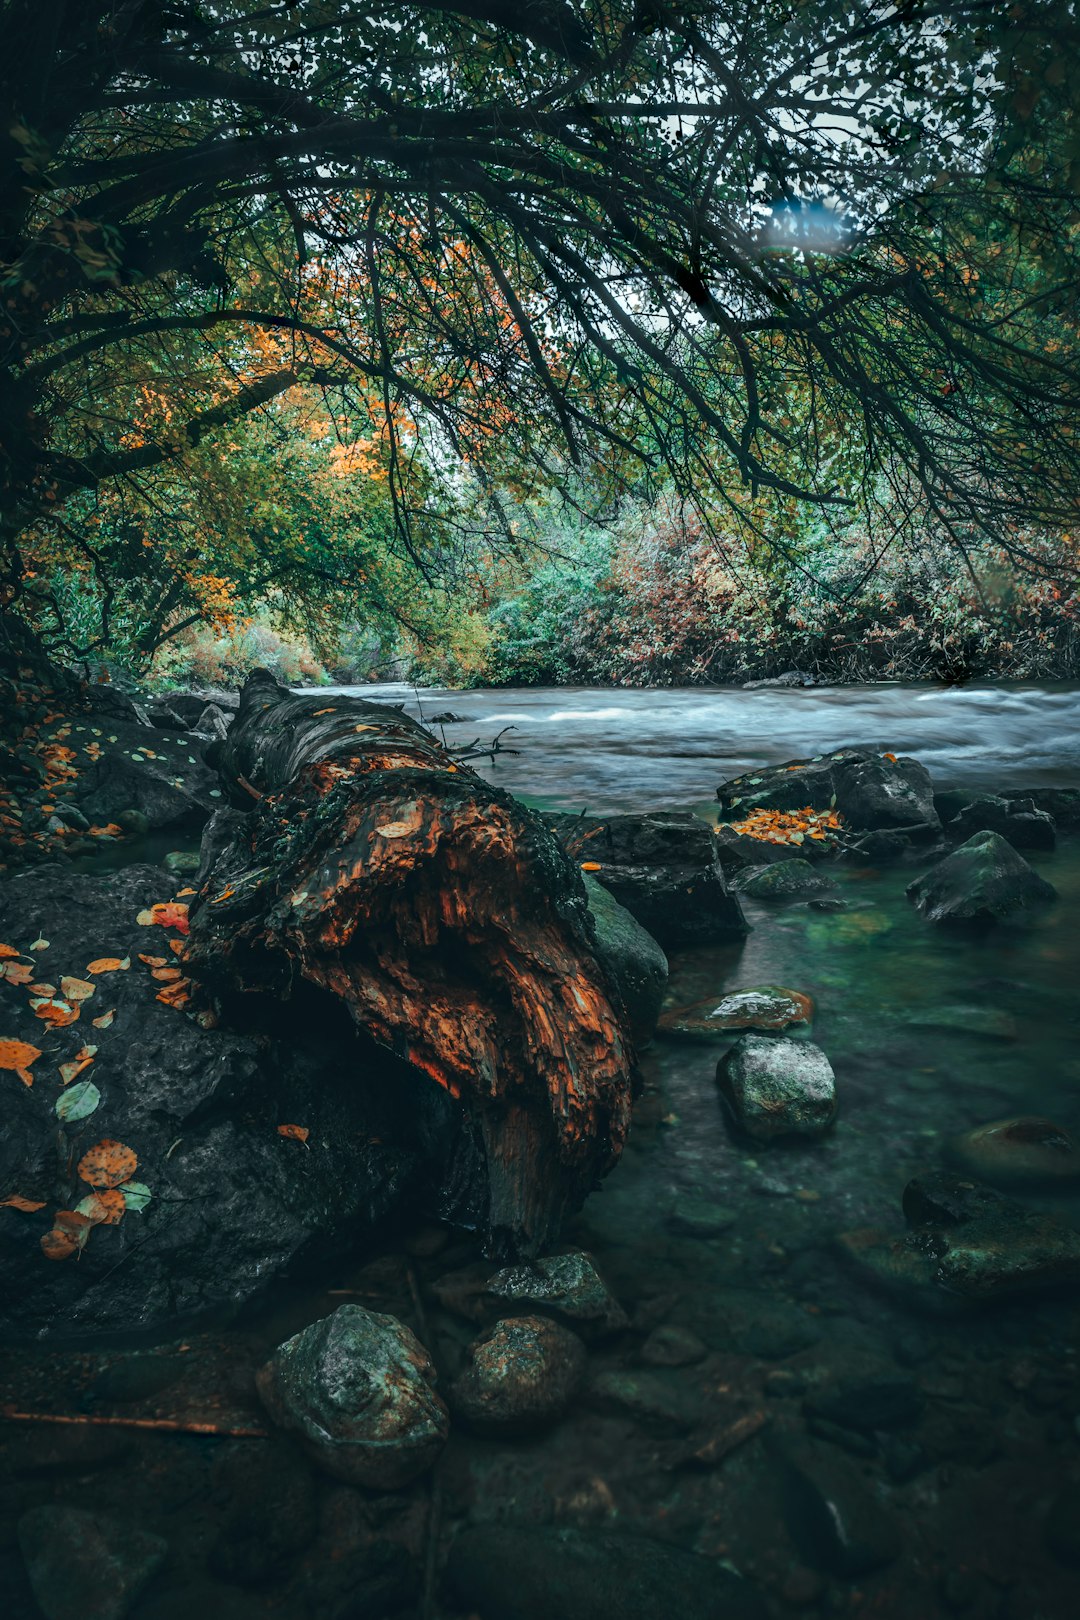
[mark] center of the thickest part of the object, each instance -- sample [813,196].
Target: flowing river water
[947,1505]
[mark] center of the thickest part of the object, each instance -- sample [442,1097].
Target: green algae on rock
[357,1389]
[980,881]
[762,1008]
[778,1087]
[781,880]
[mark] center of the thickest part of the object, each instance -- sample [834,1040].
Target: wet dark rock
[181,863]
[191,706]
[520,1375]
[869,790]
[834,1515]
[778,1088]
[170,786]
[86,1566]
[213,722]
[566,1286]
[736,851]
[632,957]
[986,1022]
[357,1390]
[164,717]
[867,1404]
[782,880]
[1026,1151]
[271,1515]
[1001,1251]
[112,704]
[942,1198]
[982,880]
[697,1216]
[233,1204]
[1063,1527]
[663,868]
[1062,804]
[787,678]
[760,1008]
[660,1404]
[672,1346]
[774,1330]
[518,1574]
[1018,821]
[137,1375]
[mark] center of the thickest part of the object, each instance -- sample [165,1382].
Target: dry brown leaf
[108,1163]
[29,1205]
[57,1014]
[109,964]
[18,1056]
[76,989]
[167,975]
[295,1133]
[17,972]
[8,951]
[153,961]
[105,1020]
[104,1208]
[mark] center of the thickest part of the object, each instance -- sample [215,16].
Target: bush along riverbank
[808,1349]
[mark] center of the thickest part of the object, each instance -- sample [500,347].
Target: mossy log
[360,859]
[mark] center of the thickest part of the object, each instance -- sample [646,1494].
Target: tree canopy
[812,250]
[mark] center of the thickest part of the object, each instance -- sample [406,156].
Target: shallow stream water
[929,1034]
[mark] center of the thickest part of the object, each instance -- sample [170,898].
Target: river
[607,749]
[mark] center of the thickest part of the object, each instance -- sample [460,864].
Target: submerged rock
[834,1515]
[357,1390]
[521,1375]
[503,1573]
[778,1087]
[696,1215]
[971,1246]
[783,879]
[566,1287]
[867,1404]
[632,957]
[1023,1152]
[765,1007]
[982,880]
[671,1346]
[86,1566]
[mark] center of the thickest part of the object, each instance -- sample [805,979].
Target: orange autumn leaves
[18,1057]
[168,914]
[105,1167]
[789,827]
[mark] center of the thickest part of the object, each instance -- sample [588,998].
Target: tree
[722,241]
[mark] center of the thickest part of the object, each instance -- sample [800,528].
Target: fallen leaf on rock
[166,975]
[182,892]
[70,1232]
[109,964]
[108,1163]
[76,989]
[177,947]
[136,1194]
[28,1205]
[40,945]
[153,961]
[591,866]
[104,1208]
[167,914]
[17,972]
[18,1056]
[295,1133]
[105,1020]
[58,1014]
[46,990]
[78,1103]
[9,950]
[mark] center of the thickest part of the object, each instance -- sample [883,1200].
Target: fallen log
[359,858]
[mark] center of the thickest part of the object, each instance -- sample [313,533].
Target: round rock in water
[778,1088]
[982,880]
[765,1007]
[1023,1152]
[357,1390]
[85,1566]
[782,880]
[520,1375]
[567,1286]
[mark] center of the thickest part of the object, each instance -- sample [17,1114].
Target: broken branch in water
[168,1425]
[476,750]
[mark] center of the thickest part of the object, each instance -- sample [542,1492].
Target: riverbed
[732,1245]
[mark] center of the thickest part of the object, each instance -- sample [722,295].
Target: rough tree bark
[442,913]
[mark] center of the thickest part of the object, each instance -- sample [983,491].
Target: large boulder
[869,789]
[357,1389]
[663,868]
[232,1202]
[981,881]
[634,961]
[508,1573]
[778,1087]
[520,1375]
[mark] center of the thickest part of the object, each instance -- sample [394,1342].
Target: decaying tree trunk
[441,913]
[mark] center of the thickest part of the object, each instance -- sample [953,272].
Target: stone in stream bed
[695,1215]
[778,1087]
[357,1390]
[833,1514]
[867,788]
[987,1022]
[509,1573]
[1018,822]
[672,1346]
[567,1287]
[763,1007]
[1026,1151]
[781,880]
[980,881]
[970,1246]
[632,957]
[86,1566]
[519,1376]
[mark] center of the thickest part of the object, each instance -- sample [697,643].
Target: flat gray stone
[778,1088]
